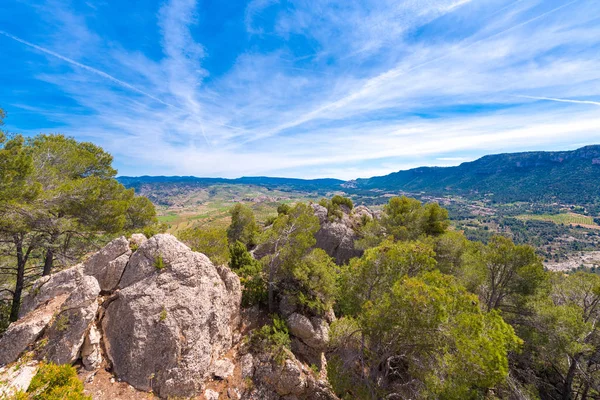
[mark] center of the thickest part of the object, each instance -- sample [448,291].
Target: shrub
[340,200]
[272,338]
[62,322]
[251,276]
[56,382]
[211,241]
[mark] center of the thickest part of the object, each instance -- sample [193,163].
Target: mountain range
[560,176]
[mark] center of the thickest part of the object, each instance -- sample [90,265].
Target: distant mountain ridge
[568,176]
[563,176]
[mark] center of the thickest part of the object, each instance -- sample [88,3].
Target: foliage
[314,278]
[439,347]
[283,208]
[243,226]
[211,241]
[562,338]
[273,338]
[406,219]
[289,239]
[56,382]
[342,201]
[508,273]
[4,315]
[250,271]
[159,262]
[59,200]
[369,277]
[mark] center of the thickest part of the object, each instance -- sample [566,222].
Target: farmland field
[563,218]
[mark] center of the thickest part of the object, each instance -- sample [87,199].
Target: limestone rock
[108,264]
[166,325]
[314,332]
[48,287]
[67,333]
[290,379]
[336,237]
[16,378]
[223,369]
[24,332]
[91,355]
[210,394]
[136,240]
[247,365]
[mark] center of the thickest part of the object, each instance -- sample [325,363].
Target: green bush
[272,338]
[340,200]
[56,382]
[251,275]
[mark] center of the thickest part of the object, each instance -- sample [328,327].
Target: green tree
[211,241]
[80,196]
[314,281]
[287,241]
[60,199]
[510,273]
[367,278]
[243,226]
[251,275]
[427,338]
[406,219]
[563,338]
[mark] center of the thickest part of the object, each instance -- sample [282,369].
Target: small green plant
[62,323]
[56,382]
[41,344]
[163,314]
[248,383]
[159,263]
[315,369]
[272,338]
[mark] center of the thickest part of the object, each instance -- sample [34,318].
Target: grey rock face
[108,264]
[313,332]
[337,237]
[67,333]
[167,325]
[247,365]
[223,369]
[91,355]
[49,287]
[24,332]
[292,380]
[137,239]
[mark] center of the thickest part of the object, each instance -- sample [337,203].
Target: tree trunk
[48,261]
[20,281]
[271,286]
[568,389]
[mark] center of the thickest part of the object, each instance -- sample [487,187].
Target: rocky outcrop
[91,352]
[23,333]
[50,287]
[336,237]
[17,378]
[67,333]
[108,264]
[314,331]
[167,326]
[290,380]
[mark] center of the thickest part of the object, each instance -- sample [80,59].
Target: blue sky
[299,88]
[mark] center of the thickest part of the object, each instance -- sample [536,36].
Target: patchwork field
[563,218]
[209,206]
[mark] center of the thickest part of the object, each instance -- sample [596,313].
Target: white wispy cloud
[389,84]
